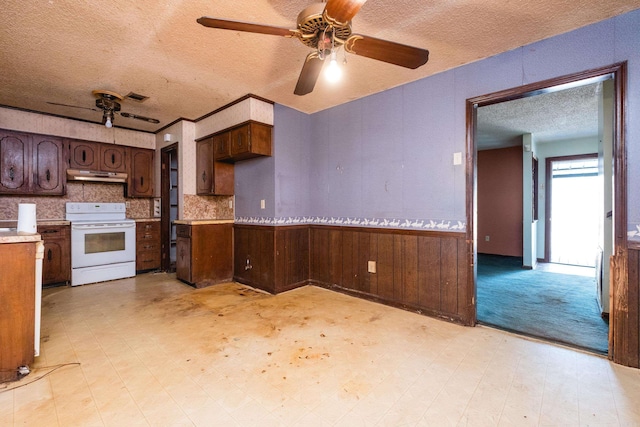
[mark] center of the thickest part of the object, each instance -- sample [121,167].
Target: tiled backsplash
[53,207]
[207,207]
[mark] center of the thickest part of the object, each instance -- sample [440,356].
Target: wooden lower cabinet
[56,264]
[147,246]
[17,307]
[204,253]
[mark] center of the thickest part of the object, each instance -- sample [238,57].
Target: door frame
[547,195]
[619,284]
[165,217]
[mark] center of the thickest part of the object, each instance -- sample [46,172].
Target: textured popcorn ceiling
[567,114]
[60,50]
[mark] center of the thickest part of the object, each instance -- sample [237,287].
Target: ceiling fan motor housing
[311,21]
[107,104]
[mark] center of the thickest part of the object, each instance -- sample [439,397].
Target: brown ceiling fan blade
[72,106]
[309,74]
[249,27]
[340,12]
[386,51]
[135,116]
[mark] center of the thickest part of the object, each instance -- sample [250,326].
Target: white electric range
[103,242]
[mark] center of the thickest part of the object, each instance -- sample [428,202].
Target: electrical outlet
[127,204]
[487,238]
[371,267]
[262,204]
[230,203]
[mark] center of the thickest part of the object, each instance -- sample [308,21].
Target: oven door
[102,244]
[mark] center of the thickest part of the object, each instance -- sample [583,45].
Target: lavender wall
[386,160]
[281,180]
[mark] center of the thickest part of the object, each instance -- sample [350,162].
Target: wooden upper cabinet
[204,166]
[212,177]
[140,172]
[14,163]
[249,140]
[112,158]
[48,165]
[221,146]
[31,164]
[84,155]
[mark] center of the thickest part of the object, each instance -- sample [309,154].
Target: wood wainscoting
[274,259]
[625,316]
[422,271]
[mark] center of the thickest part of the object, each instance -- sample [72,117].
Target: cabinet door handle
[141,181]
[48,174]
[113,159]
[12,174]
[84,156]
[204,176]
[49,254]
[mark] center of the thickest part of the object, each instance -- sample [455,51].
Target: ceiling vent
[136,97]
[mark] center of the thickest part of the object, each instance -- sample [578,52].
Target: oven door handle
[101,227]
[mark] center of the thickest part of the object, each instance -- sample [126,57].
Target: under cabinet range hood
[95,176]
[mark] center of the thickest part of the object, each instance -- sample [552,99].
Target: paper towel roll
[27,218]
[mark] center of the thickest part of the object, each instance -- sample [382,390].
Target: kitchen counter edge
[202,221]
[15,237]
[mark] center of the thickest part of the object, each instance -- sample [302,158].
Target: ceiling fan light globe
[333,72]
[108,122]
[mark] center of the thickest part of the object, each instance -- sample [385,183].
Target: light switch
[156,207]
[262,204]
[457,158]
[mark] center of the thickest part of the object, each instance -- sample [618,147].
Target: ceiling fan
[325,27]
[108,103]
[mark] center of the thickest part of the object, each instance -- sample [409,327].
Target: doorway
[170,200]
[615,73]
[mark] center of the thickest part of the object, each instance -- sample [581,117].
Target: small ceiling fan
[108,103]
[325,27]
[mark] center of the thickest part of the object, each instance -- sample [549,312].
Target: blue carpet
[557,307]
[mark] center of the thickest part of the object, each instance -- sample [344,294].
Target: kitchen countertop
[15,237]
[14,224]
[202,221]
[146,219]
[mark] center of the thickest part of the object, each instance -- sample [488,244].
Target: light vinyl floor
[153,351]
